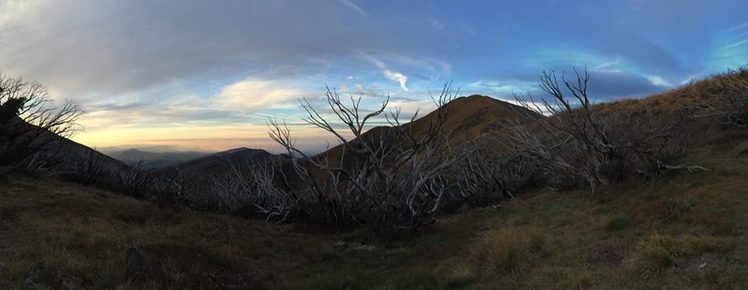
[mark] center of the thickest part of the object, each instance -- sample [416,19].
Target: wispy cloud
[398,77]
[439,25]
[256,95]
[392,75]
[739,27]
[731,48]
[354,6]
[659,81]
[611,66]
[502,88]
[735,44]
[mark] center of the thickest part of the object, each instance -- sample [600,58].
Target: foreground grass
[686,231]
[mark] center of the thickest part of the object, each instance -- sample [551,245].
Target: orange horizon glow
[211,138]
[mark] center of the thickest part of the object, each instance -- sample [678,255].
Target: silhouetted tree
[30,124]
[393,177]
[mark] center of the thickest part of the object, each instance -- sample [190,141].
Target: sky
[206,75]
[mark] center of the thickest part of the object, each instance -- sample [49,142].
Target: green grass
[507,250]
[683,231]
[658,253]
[617,223]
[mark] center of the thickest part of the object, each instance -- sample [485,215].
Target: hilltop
[220,162]
[471,116]
[466,119]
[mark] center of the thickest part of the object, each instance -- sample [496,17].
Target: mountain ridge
[153,159]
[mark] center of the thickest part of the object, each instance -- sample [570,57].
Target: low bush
[507,250]
[726,98]
[487,180]
[658,253]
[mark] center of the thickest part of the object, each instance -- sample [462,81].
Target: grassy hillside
[683,231]
[471,116]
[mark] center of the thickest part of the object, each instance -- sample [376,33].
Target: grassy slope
[683,231]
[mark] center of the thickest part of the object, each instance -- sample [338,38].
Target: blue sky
[207,74]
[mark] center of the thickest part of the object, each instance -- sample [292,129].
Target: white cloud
[253,94]
[659,81]
[360,89]
[83,48]
[610,67]
[374,60]
[398,77]
[16,10]
[388,73]
[428,64]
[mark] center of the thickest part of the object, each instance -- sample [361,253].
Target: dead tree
[30,126]
[727,99]
[173,187]
[575,144]
[487,178]
[572,144]
[134,180]
[86,166]
[255,189]
[272,196]
[391,177]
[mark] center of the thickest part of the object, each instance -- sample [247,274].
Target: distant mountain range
[153,159]
[192,160]
[219,162]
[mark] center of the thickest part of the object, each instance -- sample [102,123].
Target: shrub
[459,276]
[727,98]
[657,253]
[506,250]
[655,260]
[487,180]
